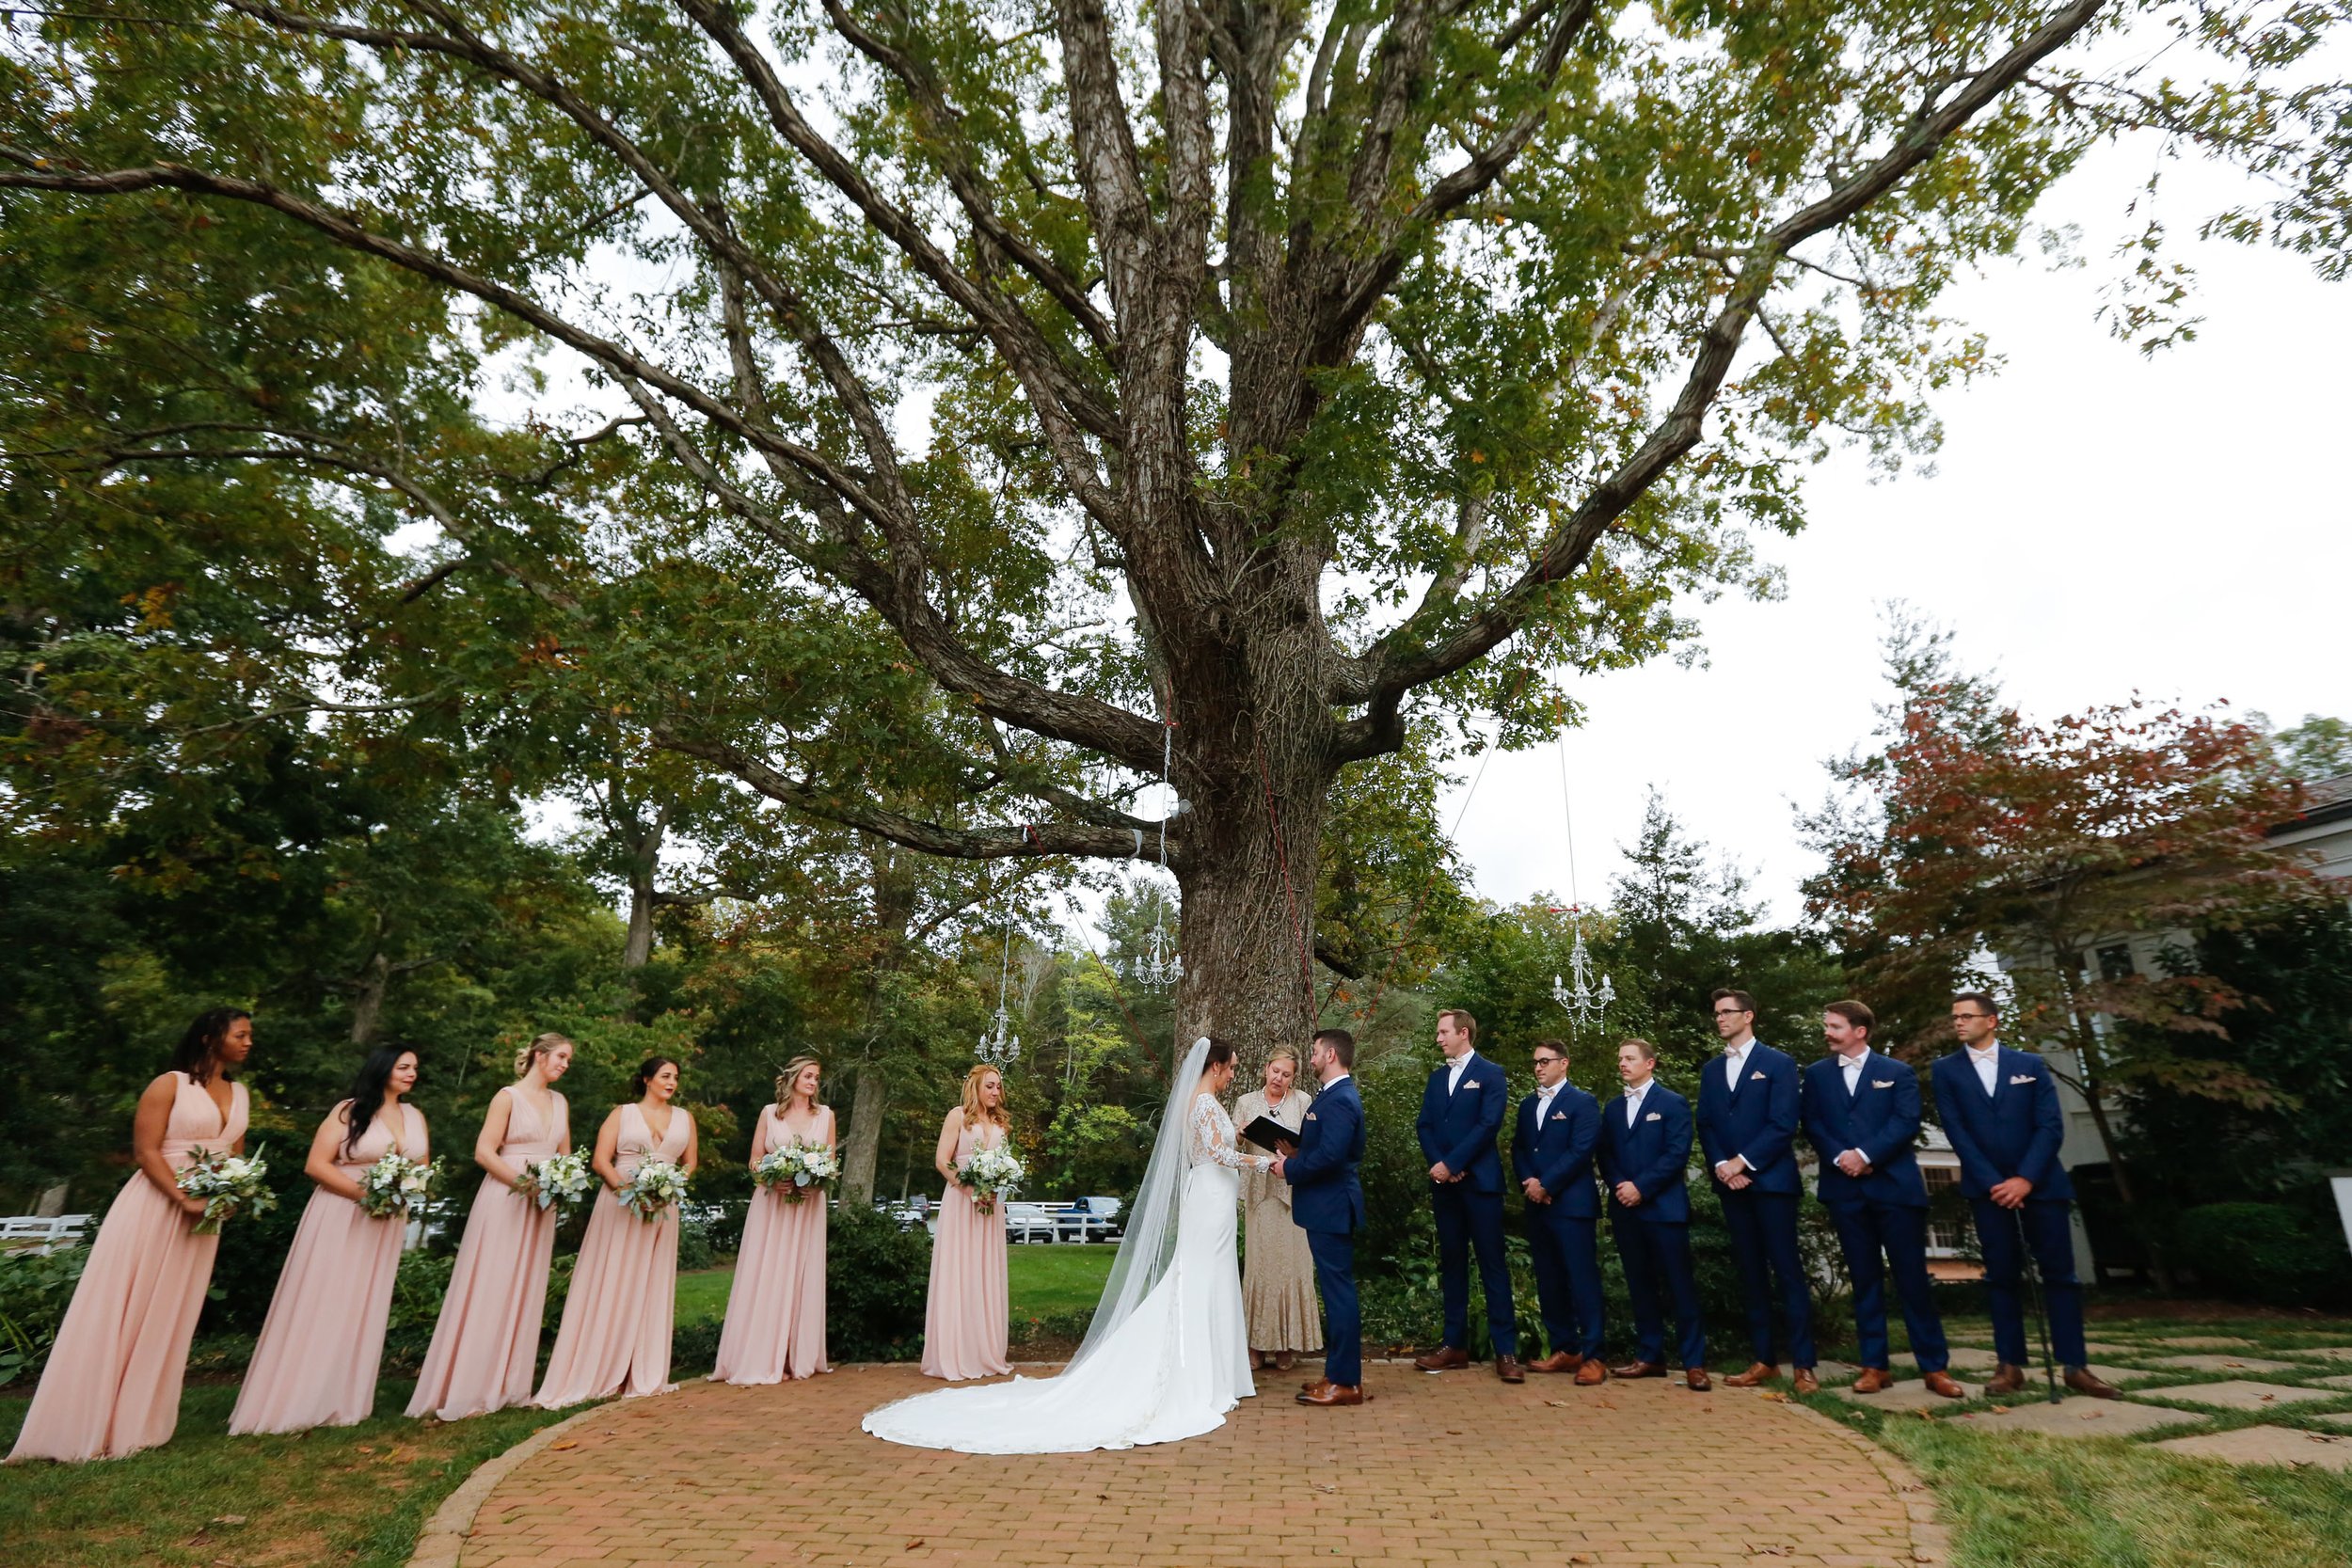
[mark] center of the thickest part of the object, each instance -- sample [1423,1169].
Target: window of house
[2115,961]
[1946,1229]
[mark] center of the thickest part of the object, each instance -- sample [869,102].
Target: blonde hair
[1283,1054]
[972,1110]
[537,1049]
[789,1076]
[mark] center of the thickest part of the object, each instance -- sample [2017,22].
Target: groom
[1328,1202]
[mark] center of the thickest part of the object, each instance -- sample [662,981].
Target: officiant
[1277,1282]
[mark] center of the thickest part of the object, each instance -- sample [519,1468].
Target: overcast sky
[2099,524]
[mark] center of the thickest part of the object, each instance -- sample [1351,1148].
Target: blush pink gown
[315,1363]
[967,1318]
[485,1347]
[113,1383]
[615,1337]
[775,1325]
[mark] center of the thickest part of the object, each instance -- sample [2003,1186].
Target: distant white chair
[42,1234]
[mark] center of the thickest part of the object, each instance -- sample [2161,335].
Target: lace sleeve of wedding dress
[1213,1138]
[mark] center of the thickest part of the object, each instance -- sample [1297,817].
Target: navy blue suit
[1882,1213]
[1328,1203]
[1755,1118]
[2016,1131]
[1654,1236]
[1460,1127]
[1561,1232]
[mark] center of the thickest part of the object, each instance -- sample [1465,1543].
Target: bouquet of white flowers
[398,1184]
[229,1183]
[564,1179]
[797,1167]
[991,1174]
[658,1185]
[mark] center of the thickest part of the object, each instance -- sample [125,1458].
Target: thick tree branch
[1026,839]
[1409,658]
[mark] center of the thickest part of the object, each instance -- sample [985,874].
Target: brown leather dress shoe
[1445,1358]
[1758,1374]
[1639,1368]
[2081,1381]
[1943,1386]
[1873,1380]
[1696,1380]
[1592,1374]
[1806,1381]
[1558,1361]
[2007,1378]
[1313,1383]
[1332,1393]
[1508,1368]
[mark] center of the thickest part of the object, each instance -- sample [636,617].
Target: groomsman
[1461,1118]
[1748,1125]
[1551,1150]
[2000,1109]
[1644,1150]
[1862,1111]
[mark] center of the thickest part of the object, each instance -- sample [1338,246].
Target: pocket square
[1559,1116]
[2020,1078]
[1311,1116]
[1654,1116]
[1469,1083]
[1755,1076]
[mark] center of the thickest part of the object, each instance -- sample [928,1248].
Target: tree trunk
[2094,1098]
[645,860]
[861,1145]
[366,998]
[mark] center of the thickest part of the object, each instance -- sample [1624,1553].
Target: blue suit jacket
[1461,1127]
[1325,1193]
[1654,1154]
[2016,1131]
[1559,1153]
[1881,1119]
[1760,1122]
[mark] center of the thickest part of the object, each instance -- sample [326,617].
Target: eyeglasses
[1732,1012]
[1547,1061]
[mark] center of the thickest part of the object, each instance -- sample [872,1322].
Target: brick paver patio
[1457,1470]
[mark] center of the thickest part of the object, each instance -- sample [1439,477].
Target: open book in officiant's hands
[1266,1133]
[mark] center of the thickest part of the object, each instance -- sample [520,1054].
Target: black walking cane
[2041,1308]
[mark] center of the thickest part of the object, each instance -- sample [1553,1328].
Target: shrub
[694,1249]
[34,1291]
[876,1278]
[2264,1252]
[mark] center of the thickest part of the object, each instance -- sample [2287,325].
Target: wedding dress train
[1170,1369]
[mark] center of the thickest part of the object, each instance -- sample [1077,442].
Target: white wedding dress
[1170,1369]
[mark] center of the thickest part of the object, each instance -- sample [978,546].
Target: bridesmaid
[113,1383]
[485,1347]
[315,1363]
[775,1326]
[1277,1282]
[615,1337]
[968,1320]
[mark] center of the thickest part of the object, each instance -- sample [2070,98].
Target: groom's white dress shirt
[1454,1071]
[1633,1103]
[1543,1102]
[1987,1063]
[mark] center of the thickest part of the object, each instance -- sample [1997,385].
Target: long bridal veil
[1147,1242]
[1165,1356]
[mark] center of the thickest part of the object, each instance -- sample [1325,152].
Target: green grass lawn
[1042,1281]
[353,1495]
[2021,1500]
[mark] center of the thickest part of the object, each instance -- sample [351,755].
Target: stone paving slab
[1910,1395]
[1969,1359]
[2265,1444]
[2325,1353]
[2240,1394]
[2342,1382]
[2207,1341]
[2081,1417]
[2224,1364]
[2340,1419]
[1437,1470]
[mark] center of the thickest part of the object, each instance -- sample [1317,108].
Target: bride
[1168,1354]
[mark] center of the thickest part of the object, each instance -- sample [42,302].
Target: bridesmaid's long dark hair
[197,1054]
[367,1090]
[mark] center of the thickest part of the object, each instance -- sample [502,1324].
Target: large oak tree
[1236,378]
